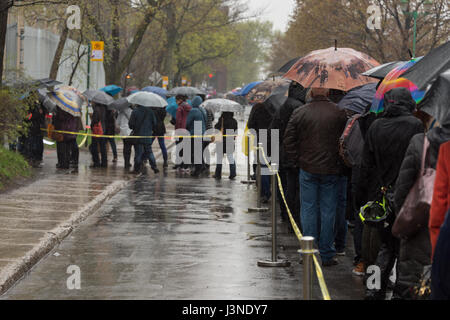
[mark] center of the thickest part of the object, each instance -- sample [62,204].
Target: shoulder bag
[415,212]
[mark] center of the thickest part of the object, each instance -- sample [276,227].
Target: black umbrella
[382,71]
[429,67]
[359,98]
[288,65]
[437,100]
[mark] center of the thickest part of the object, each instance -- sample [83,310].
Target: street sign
[165,82]
[98,48]
[155,78]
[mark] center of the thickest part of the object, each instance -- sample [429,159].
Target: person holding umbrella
[159,131]
[385,147]
[124,110]
[68,100]
[98,123]
[180,123]
[196,117]
[311,141]
[142,122]
[226,124]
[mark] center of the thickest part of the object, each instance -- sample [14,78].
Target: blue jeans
[319,198]
[143,151]
[112,142]
[162,145]
[341,225]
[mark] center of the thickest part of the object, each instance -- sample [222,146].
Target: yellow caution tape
[131,137]
[320,277]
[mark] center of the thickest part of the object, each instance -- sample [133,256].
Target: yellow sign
[183,81]
[98,48]
[165,82]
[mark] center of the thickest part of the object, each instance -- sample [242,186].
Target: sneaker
[155,170]
[115,159]
[165,165]
[340,253]
[330,263]
[359,270]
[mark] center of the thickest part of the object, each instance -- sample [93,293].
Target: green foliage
[12,165]
[14,112]
[245,64]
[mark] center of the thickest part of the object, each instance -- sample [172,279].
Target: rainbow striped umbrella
[394,80]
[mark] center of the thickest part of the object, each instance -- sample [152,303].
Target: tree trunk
[58,54]
[171,43]
[3,29]
[116,67]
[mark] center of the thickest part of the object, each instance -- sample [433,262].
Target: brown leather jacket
[312,137]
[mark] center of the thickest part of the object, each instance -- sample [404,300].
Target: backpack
[351,143]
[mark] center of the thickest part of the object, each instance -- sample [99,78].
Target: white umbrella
[147,99]
[186,91]
[222,105]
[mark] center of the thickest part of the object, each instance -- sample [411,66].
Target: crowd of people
[326,194]
[148,124]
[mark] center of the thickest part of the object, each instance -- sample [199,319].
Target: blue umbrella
[112,90]
[245,90]
[359,98]
[157,90]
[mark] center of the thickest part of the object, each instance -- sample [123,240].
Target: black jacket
[415,252]
[110,121]
[160,128]
[295,100]
[312,137]
[386,143]
[37,121]
[229,123]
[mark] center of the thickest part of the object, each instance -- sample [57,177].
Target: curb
[15,271]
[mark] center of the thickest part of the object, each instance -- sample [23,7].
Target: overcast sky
[276,11]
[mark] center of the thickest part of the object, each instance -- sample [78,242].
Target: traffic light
[211,76]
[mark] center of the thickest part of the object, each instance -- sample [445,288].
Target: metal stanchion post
[274,262]
[249,180]
[259,207]
[307,251]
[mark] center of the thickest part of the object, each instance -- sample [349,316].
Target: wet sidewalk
[37,216]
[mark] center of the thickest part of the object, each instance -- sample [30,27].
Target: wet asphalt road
[170,236]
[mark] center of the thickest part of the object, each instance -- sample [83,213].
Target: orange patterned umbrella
[333,68]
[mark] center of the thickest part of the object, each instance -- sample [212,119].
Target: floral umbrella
[264,90]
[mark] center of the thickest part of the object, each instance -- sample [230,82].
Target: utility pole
[4,7]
